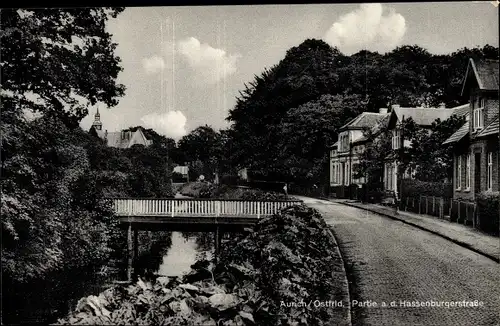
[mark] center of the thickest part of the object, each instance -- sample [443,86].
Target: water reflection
[184,252]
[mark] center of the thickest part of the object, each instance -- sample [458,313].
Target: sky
[183,66]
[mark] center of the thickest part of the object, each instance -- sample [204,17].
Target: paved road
[391,261]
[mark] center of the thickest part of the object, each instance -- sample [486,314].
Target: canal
[160,253]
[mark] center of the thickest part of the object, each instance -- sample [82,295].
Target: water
[186,249]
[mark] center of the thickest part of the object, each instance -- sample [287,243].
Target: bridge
[195,214]
[186,214]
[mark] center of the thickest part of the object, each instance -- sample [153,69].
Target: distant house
[183,170]
[119,139]
[423,117]
[475,144]
[344,154]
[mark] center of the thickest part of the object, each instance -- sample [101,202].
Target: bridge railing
[198,207]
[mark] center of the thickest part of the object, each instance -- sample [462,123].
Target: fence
[199,207]
[455,210]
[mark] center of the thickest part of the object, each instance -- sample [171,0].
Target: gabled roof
[485,72]
[422,116]
[115,139]
[458,135]
[364,120]
[461,110]
[491,129]
[376,129]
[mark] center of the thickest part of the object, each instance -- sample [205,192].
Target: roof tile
[491,129]
[458,135]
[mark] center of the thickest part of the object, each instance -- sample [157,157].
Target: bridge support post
[132,252]
[136,254]
[218,241]
[129,253]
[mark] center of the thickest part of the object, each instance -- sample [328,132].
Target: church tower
[97,124]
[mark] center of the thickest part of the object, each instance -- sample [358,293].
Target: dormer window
[478,118]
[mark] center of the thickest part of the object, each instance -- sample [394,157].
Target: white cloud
[210,64]
[171,124]
[153,64]
[367,28]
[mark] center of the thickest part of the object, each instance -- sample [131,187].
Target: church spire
[97,121]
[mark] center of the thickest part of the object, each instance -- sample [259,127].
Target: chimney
[395,106]
[382,110]
[122,135]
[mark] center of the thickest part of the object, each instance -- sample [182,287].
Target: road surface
[389,261]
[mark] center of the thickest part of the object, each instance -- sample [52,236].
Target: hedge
[417,188]
[487,211]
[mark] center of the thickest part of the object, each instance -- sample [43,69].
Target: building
[119,139]
[344,154]
[423,117]
[476,143]
[183,170]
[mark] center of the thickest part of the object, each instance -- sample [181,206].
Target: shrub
[228,179]
[177,177]
[487,211]
[416,188]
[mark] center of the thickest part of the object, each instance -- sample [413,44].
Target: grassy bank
[276,275]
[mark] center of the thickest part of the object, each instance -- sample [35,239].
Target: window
[346,174]
[467,169]
[490,170]
[332,178]
[337,180]
[478,120]
[459,172]
[396,139]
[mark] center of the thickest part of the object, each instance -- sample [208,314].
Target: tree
[55,62]
[307,131]
[202,145]
[58,61]
[307,72]
[374,156]
[435,160]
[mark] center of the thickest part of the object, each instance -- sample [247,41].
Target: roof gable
[491,129]
[458,135]
[364,120]
[423,117]
[485,73]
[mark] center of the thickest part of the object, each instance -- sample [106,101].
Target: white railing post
[217,208]
[258,210]
[173,207]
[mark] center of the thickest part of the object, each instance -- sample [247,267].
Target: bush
[487,211]
[416,188]
[231,180]
[177,177]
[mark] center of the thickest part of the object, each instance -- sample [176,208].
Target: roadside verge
[340,274]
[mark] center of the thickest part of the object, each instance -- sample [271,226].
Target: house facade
[423,117]
[119,139]
[344,154]
[476,143]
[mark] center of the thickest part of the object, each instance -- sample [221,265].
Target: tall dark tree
[307,72]
[55,63]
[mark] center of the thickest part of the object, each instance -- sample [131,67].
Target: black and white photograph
[250,164]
